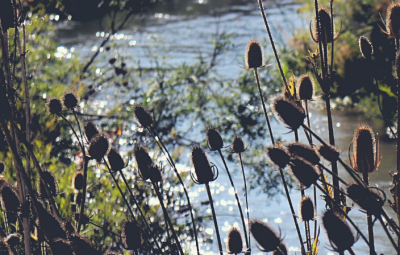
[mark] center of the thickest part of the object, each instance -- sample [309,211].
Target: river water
[184,27]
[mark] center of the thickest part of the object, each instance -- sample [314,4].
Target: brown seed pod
[339,233]
[51,182]
[155,173]
[325,25]
[393,19]
[305,89]
[267,239]
[238,145]
[99,146]
[278,155]
[214,139]
[54,105]
[78,180]
[70,100]
[13,239]
[369,199]
[366,157]
[50,226]
[143,161]
[306,209]
[235,242]
[81,245]
[85,218]
[329,152]
[7,15]
[9,198]
[281,249]
[90,130]
[254,56]
[115,160]
[288,112]
[143,116]
[204,171]
[366,48]
[303,151]
[304,172]
[131,235]
[61,247]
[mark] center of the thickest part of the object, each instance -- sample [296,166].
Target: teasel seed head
[278,155]
[288,112]
[131,235]
[99,146]
[54,105]
[85,218]
[339,233]
[78,180]
[366,157]
[267,239]
[326,26]
[254,54]
[115,160]
[9,198]
[90,130]
[81,245]
[306,209]
[235,242]
[214,139]
[305,89]
[238,145]
[51,227]
[369,199]
[304,172]
[393,19]
[78,198]
[70,100]
[61,247]
[143,161]
[13,239]
[303,151]
[143,116]
[281,249]
[7,15]
[2,167]
[202,167]
[366,48]
[155,173]
[51,182]
[329,152]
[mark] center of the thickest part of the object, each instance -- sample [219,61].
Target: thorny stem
[237,198]
[319,37]
[214,218]
[245,192]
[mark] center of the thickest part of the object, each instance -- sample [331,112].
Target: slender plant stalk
[333,38]
[388,234]
[398,139]
[351,251]
[319,37]
[247,203]
[214,218]
[369,220]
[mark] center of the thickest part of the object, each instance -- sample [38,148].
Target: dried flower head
[205,173]
[85,218]
[155,173]
[7,15]
[329,152]
[235,242]
[50,226]
[78,198]
[238,145]
[369,199]
[393,19]
[143,116]
[366,48]
[98,146]
[90,130]
[305,89]
[78,180]
[115,160]
[70,100]
[281,249]
[278,155]
[143,161]
[303,151]
[61,247]
[131,235]
[304,172]
[214,139]
[2,167]
[267,239]
[366,157]
[254,56]
[13,239]
[339,233]
[51,182]
[288,112]
[54,105]
[306,209]
[9,198]
[81,245]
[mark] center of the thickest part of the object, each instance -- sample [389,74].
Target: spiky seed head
[70,100]
[131,235]
[61,247]
[202,167]
[305,89]
[339,233]
[235,242]
[329,152]
[13,239]
[143,161]
[143,116]
[9,198]
[281,249]
[69,228]
[155,173]
[78,180]
[393,19]
[115,160]
[326,26]
[366,48]
[306,209]
[304,172]
[238,145]
[90,130]
[2,167]
[99,146]
[288,112]
[369,199]
[54,105]
[7,15]
[267,239]
[81,245]
[85,218]
[50,226]
[214,139]
[254,56]
[364,158]
[51,182]
[303,151]
[278,155]
[78,198]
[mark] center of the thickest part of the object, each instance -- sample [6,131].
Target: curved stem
[214,218]
[369,219]
[245,194]
[82,208]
